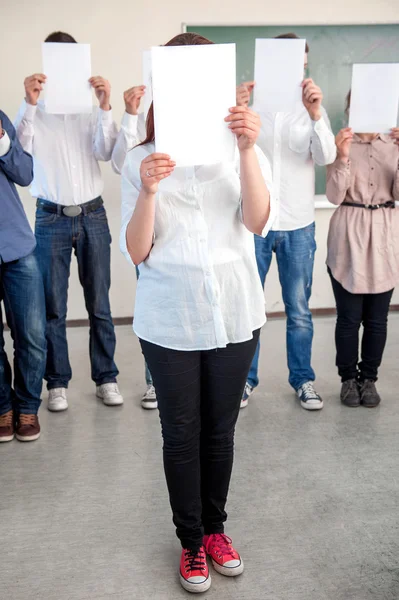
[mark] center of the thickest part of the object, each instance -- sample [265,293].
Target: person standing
[132,133]
[191,232]
[363,255]
[293,143]
[70,216]
[21,289]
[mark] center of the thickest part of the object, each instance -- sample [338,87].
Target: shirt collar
[380,136]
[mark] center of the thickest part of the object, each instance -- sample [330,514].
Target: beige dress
[363,244]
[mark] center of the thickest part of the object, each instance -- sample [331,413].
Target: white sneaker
[310,399]
[149,400]
[109,394]
[248,391]
[57,400]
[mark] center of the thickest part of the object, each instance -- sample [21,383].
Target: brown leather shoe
[7,431]
[28,428]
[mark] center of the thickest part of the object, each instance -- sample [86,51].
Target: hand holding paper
[132,98]
[245,124]
[312,97]
[33,87]
[102,88]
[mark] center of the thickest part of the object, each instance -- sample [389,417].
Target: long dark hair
[183,39]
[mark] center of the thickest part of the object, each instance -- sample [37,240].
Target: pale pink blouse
[363,244]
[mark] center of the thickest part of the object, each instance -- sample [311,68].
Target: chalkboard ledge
[322,202]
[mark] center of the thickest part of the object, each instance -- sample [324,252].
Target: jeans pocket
[99,214]
[44,218]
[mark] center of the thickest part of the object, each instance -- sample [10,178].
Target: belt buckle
[72,211]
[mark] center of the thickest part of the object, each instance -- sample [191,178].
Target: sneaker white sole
[244,403]
[312,405]
[111,402]
[196,588]
[28,438]
[149,404]
[58,408]
[7,438]
[228,572]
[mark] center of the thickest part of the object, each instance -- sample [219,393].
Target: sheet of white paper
[147,81]
[374,98]
[279,72]
[68,70]
[193,89]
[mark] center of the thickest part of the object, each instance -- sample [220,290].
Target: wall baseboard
[316,312]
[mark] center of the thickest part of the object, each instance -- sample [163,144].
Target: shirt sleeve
[105,135]
[338,181]
[267,176]
[24,125]
[15,163]
[127,139]
[322,141]
[130,190]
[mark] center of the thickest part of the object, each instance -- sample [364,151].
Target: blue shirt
[16,167]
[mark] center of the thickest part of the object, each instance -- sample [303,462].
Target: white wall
[118,31]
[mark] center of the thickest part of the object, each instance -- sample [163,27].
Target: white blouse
[199,288]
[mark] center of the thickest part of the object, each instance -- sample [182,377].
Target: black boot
[350,394]
[368,394]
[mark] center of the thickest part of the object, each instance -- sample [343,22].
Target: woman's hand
[243,93]
[245,124]
[395,135]
[343,142]
[153,169]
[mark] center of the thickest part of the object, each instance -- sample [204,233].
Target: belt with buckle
[72,210]
[388,204]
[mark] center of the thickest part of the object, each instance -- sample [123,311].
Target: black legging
[199,396]
[352,311]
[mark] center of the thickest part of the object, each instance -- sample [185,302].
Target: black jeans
[371,310]
[199,395]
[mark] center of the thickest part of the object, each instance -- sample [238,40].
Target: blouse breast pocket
[299,139]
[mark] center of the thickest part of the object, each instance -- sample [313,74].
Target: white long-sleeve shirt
[199,288]
[66,150]
[293,143]
[132,133]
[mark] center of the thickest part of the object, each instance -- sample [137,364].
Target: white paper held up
[193,88]
[68,70]
[279,72]
[374,97]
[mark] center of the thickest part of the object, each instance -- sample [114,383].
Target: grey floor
[314,503]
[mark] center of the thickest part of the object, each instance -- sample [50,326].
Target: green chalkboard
[333,50]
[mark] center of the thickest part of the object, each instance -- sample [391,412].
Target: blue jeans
[88,235]
[148,376]
[21,289]
[295,252]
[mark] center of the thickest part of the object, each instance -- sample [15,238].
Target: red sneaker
[194,572]
[225,559]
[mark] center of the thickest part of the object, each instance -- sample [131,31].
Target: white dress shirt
[132,132]
[293,143]
[66,150]
[199,288]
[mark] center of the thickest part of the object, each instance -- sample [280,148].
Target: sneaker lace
[194,560]
[6,419]
[222,543]
[111,387]
[27,419]
[351,386]
[368,387]
[58,392]
[308,390]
